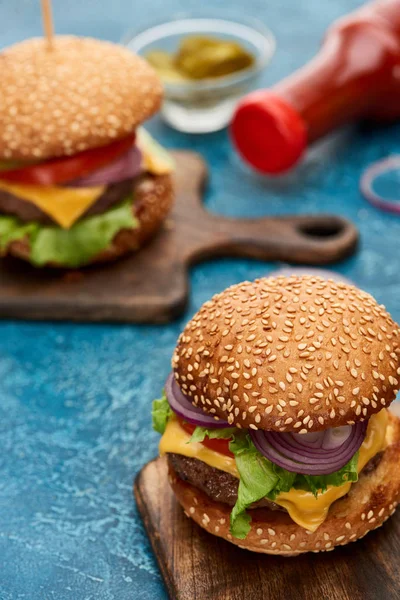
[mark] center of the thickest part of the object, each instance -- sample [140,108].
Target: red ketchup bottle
[355,75]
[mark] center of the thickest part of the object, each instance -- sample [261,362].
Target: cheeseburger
[275,419]
[79,183]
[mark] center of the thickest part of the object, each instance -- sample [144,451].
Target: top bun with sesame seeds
[82,93]
[290,354]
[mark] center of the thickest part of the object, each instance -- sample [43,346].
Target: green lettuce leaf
[12,229]
[200,433]
[72,247]
[286,481]
[257,480]
[160,413]
[8,165]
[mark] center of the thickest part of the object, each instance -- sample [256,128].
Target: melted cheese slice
[63,204]
[175,439]
[156,159]
[305,510]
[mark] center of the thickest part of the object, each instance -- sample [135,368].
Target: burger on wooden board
[275,418]
[79,183]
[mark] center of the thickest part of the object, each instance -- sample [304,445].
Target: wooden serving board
[152,285]
[198,566]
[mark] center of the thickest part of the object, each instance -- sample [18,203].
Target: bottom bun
[369,503]
[154,197]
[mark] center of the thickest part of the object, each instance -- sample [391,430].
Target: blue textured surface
[75,399]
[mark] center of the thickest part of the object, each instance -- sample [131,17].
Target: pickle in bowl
[206,65]
[201,57]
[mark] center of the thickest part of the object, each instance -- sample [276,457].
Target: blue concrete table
[75,399]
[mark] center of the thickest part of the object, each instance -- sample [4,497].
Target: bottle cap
[268,132]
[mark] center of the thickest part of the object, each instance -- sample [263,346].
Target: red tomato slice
[218,445]
[68,168]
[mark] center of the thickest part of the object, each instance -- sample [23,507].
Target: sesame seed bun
[290,354]
[153,201]
[369,503]
[83,93]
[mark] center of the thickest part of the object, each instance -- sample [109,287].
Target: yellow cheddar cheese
[63,204]
[303,507]
[175,439]
[156,159]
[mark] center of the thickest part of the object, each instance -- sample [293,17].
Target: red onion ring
[310,458]
[127,166]
[182,406]
[367,180]
[335,437]
[288,442]
[289,452]
[293,441]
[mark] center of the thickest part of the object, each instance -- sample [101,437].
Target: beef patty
[27,212]
[218,485]
[223,487]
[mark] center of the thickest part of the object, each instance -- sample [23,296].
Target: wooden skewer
[48,26]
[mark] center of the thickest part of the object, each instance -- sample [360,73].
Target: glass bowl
[201,106]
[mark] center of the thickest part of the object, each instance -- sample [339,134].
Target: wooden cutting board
[152,285]
[198,566]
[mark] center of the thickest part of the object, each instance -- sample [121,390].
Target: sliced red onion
[312,439]
[182,406]
[385,165]
[321,455]
[127,166]
[335,437]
